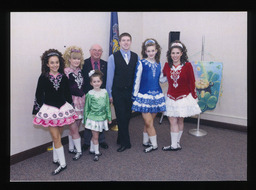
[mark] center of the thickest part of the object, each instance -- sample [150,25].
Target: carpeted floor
[221,155]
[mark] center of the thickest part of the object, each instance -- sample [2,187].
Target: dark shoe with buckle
[123,148]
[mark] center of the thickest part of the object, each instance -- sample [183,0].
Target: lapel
[90,64]
[102,66]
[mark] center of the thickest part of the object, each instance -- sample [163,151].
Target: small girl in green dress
[97,112]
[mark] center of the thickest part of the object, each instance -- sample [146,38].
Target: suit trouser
[123,103]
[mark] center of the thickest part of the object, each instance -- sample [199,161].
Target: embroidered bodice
[53,91]
[181,81]
[76,81]
[147,78]
[97,106]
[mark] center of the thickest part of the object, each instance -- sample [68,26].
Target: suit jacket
[87,67]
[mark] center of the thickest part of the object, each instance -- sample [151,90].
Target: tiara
[91,73]
[75,50]
[150,41]
[52,54]
[177,44]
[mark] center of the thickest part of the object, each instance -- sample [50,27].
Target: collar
[123,52]
[93,60]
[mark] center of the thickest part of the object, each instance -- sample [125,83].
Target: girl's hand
[109,122]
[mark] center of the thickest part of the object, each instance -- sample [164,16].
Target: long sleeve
[67,92]
[138,73]
[39,96]
[110,75]
[87,106]
[108,109]
[191,80]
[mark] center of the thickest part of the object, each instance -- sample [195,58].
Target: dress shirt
[93,61]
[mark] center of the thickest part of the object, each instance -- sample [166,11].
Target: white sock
[180,134]
[174,138]
[96,148]
[91,147]
[70,143]
[55,156]
[77,143]
[61,156]
[145,138]
[153,141]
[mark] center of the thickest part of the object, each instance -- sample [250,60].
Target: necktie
[96,66]
[126,58]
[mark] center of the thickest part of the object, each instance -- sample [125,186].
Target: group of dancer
[71,90]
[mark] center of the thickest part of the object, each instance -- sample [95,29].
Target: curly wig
[183,49]
[75,53]
[45,59]
[151,42]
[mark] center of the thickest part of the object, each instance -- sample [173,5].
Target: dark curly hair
[151,42]
[184,57]
[45,58]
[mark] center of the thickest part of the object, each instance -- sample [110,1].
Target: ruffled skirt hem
[96,125]
[184,107]
[52,116]
[146,103]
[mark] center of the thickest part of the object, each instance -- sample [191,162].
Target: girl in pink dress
[74,60]
[53,104]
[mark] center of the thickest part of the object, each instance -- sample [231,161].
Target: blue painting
[208,76]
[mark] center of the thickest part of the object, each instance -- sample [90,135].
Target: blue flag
[114,34]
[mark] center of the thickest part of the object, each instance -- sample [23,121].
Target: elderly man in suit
[92,63]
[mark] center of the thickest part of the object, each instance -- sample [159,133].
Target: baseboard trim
[43,148]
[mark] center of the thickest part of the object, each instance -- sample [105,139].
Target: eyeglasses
[96,50]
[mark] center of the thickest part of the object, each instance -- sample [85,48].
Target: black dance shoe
[169,148]
[59,169]
[77,156]
[96,157]
[150,149]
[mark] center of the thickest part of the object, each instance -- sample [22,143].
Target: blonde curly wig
[75,53]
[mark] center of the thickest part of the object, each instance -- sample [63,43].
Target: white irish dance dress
[181,99]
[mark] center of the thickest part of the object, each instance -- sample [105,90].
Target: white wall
[33,33]
[225,41]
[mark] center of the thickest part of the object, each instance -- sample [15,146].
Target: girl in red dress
[181,100]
